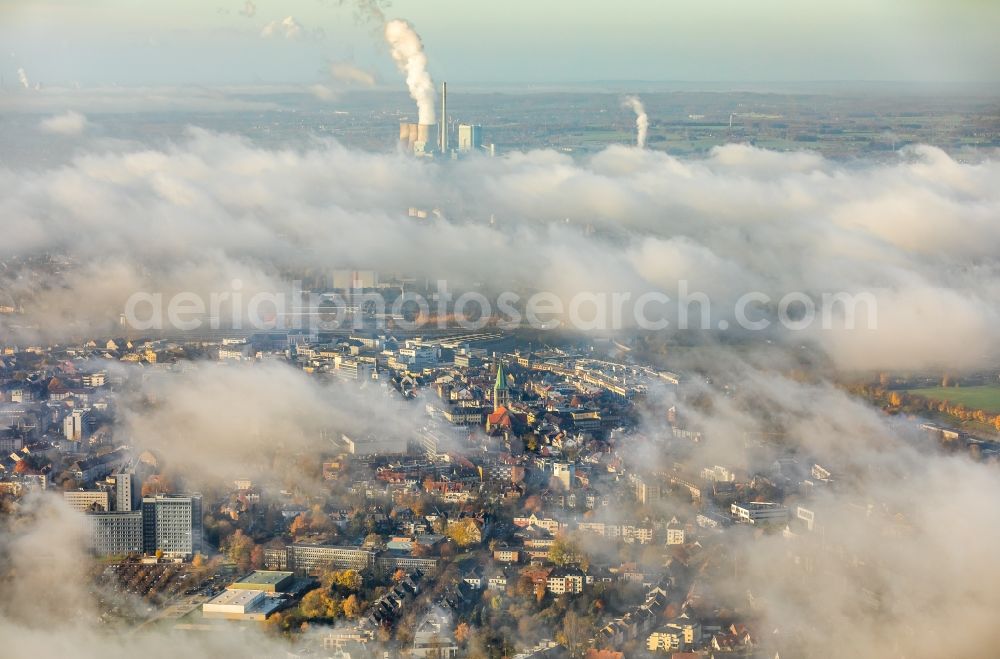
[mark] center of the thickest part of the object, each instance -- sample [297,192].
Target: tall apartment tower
[173,524]
[128,490]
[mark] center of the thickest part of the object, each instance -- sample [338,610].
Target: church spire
[501,392]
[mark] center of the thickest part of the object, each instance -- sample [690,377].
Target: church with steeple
[503,420]
[501,389]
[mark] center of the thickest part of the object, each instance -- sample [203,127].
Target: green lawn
[986,397]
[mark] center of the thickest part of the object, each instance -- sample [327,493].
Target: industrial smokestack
[443,135]
[641,119]
[408,53]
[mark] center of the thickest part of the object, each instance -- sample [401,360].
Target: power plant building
[470,137]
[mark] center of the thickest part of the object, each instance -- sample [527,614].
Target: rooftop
[236,598]
[268,577]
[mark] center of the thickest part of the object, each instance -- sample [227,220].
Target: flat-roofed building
[173,524]
[268,581]
[390,561]
[116,533]
[759,512]
[85,501]
[241,605]
[313,559]
[128,490]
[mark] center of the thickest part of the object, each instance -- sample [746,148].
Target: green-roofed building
[269,581]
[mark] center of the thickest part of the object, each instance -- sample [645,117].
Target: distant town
[519,504]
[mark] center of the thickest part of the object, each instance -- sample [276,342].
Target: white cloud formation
[288,27]
[918,233]
[70,123]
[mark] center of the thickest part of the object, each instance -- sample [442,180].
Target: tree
[464,532]
[319,604]
[352,607]
[238,548]
[348,581]
[257,557]
[564,551]
[574,633]
[300,525]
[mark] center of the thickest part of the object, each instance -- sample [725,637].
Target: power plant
[429,140]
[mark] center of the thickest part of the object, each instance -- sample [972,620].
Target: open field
[984,397]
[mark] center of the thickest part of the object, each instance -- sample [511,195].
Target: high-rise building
[116,533]
[78,424]
[470,137]
[127,490]
[173,524]
[565,473]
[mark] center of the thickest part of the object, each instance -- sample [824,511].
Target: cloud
[70,123]
[214,421]
[249,9]
[904,529]
[288,27]
[349,74]
[915,233]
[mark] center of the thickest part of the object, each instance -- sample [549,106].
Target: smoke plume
[23,77]
[408,52]
[641,119]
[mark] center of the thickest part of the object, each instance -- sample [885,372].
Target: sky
[104,42]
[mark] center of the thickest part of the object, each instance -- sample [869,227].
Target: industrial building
[236,604]
[429,140]
[268,581]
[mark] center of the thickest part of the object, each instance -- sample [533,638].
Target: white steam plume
[408,52]
[641,119]
[23,77]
